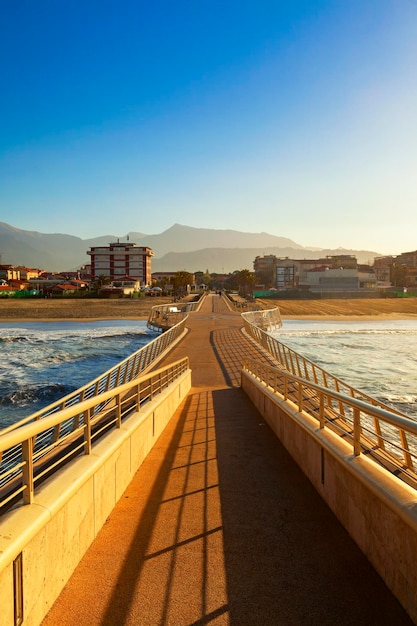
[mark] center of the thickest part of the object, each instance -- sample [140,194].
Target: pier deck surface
[219,525]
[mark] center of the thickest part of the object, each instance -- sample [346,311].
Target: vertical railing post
[87,431]
[321,411]
[138,398]
[300,397]
[406,450]
[380,439]
[27,471]
[356,431]
[118,411]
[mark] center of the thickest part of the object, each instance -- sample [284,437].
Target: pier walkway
[219,525]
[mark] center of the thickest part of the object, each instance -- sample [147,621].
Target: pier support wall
[54,532]
[377,509]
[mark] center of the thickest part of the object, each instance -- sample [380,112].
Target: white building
[121,260]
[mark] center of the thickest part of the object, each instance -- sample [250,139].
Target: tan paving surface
[219,526]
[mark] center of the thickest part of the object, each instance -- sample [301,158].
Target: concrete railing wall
[378,510]
[53,534]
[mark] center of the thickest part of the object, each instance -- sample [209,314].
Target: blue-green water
[377,357]
[41,362]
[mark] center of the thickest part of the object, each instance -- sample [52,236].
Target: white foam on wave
[37,360]
[377,357]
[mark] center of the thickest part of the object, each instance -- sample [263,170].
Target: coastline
[143,318]
[351,318]
[20,311]
[80,320]
[61,310]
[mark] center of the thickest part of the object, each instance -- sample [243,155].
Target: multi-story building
[382,268]
[338,273]
[409,259]
[308,273]
[404,270]
[9,272]
[26,273]
[120,260]
[265,269]
[164,278]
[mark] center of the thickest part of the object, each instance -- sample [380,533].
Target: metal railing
[385,434]
[388,438]
[299,365]
[165,316]
[266,320]
[38,449]
[125,371]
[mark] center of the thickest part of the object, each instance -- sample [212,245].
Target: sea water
[377,357]
[40,362]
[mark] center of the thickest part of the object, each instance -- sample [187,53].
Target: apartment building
[337,273]
[382,268]
[120,260]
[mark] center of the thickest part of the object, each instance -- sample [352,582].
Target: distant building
[331,274]
[127,286]
[63,289]
[398,271]
[265,269]
[9,272]
[309,273]
[323,280]
[382,268]
[409,259]
[167,277]
[121,259]
[163,277]
[26,273]
[404,270]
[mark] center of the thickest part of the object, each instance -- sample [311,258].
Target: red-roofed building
[118,260]
[63,289]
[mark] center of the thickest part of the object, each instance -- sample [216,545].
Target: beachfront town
[124,269]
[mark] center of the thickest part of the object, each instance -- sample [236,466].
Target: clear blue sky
[296,118]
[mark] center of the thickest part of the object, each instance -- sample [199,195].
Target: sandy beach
[13,310]
[360,308]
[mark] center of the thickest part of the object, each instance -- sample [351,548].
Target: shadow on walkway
[219,525]
[287,558]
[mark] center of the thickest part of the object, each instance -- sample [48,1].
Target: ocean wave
[340,332]
[31,335]
[14,339]
[123,334]
[399,399]
[105,335]
[33,395]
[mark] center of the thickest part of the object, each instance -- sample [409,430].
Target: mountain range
[178,248]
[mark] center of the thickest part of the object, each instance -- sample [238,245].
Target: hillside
[179,247]
[224,260]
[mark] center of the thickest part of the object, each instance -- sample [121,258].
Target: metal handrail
[42,447]
[299,365]
[266,320]
[125,371]
[164,316]
[387,437]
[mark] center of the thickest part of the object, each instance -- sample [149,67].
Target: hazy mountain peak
[184,247]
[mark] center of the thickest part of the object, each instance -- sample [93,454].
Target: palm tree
[99,282]
[246,280]
[181,280]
